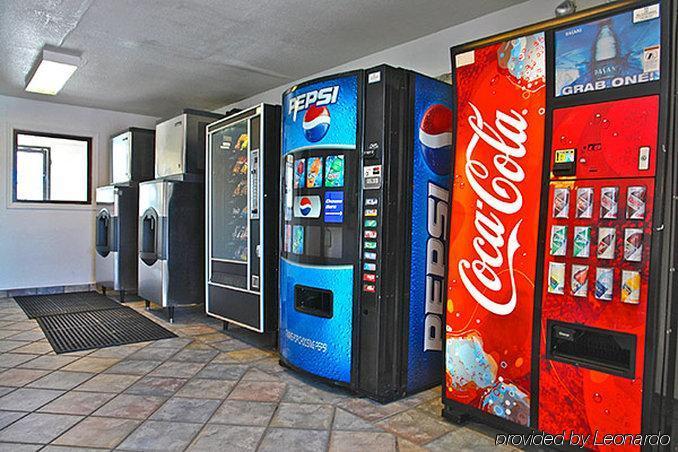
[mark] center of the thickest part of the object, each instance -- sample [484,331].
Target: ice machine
[131,161]
[171,215]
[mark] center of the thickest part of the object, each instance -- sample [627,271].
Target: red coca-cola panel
[597,263]
[611,139]
[494,222]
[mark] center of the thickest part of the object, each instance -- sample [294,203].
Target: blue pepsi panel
[319,161]
[432,152]
[616,51]
[321,115]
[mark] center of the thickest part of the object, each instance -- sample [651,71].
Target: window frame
[45,151]
[15,150]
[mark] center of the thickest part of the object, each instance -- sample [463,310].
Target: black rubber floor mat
[98,329]
[64,303]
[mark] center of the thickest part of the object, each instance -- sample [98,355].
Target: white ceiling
[155,57]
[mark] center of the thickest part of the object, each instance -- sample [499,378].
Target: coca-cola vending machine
[560,293]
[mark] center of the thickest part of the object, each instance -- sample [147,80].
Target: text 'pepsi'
[437,213]
[320,97]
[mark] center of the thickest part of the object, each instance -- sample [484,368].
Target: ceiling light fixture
[51,72]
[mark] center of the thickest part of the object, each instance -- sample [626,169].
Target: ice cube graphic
[467,363]
[524,60]
[507,401]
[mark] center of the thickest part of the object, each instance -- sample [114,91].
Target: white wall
[430,54]
[43,246]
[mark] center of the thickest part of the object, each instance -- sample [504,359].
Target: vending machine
[364,227]
[243,155]
[561,292]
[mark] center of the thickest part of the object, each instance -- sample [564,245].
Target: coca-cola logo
[494,173]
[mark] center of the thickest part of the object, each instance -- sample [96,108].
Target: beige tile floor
[205,390]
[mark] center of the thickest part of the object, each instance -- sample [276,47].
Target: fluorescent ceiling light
[51,72]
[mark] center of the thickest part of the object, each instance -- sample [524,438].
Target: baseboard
[9,293]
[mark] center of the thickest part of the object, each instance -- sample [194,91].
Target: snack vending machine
[364,217]
[561,290]
[243,154]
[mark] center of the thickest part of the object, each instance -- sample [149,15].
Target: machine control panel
[370,240]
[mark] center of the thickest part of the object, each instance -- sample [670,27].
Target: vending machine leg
[170,314]
[103,290]
[148,305]
[122,296]
[224,325]
[457,417]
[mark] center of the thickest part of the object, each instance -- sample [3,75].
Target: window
[52,168]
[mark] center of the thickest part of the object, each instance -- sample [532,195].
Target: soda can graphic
[288,238]
[604,283]
[558,240]
[584,202]
[579,282]
[635,203]
[609,203]
[289,194]
[630,287]
[582,241]
[561,203]
[298,239]
[607,238]
[314,172]
[334,171]
[633,244]
[556,278]
[300,173]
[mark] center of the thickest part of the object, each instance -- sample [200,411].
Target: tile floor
[205,390]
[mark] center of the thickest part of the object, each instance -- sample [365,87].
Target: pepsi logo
[435,136]
[316,123]
[305,206]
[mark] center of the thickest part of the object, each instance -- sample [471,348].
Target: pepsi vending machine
[364,218]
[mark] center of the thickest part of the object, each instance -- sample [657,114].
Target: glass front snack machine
[242,218]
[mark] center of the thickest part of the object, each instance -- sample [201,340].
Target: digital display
[564,156]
